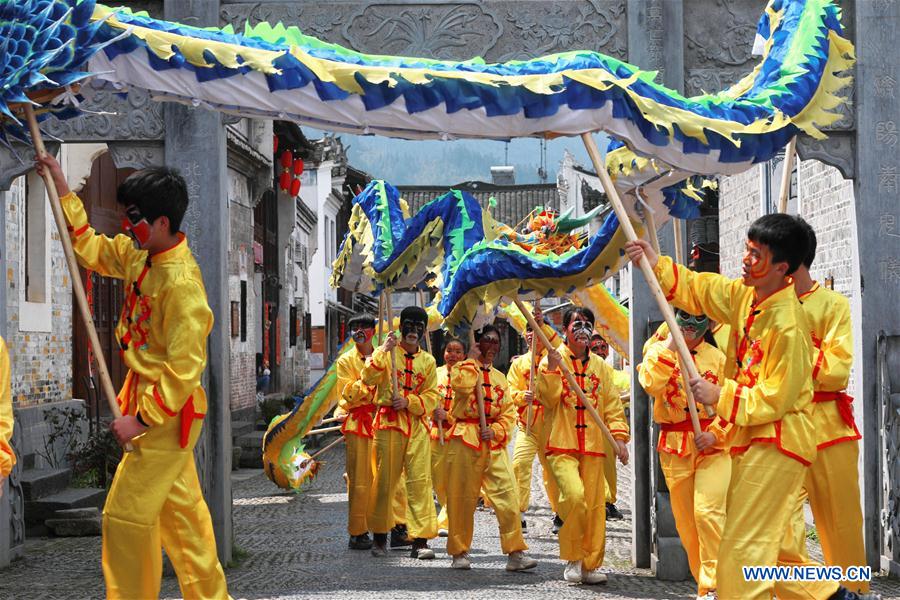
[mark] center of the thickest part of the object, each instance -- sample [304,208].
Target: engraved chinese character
[886,224]
[887,179]
[884,86]
[886,133]
[890,269]
[884,5]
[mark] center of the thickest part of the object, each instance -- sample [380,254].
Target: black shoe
[557,525]
[524,526]
[360,542]
[400,537]
[420,550]
[845,594]
[379,545]
[613,513]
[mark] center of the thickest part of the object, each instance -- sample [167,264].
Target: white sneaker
[443,532]
[517,561]
[461,561]
[593,577]
[710,595]
[572,574]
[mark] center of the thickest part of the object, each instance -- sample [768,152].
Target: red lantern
[285,181]
[298,166]
[295,187]
[286,159]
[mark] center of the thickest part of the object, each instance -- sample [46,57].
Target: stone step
[239,428]
[75,522]
[38,511]
[251,441]
[251,459]
[40,483]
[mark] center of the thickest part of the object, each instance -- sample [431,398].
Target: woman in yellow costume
[477,458]
[155,501]
[577,446]
[454,351]
[7,455]
[697,471]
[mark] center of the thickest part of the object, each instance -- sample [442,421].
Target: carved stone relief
[135,117]
[838,150]
[136,156]
[18,161]
[16,500]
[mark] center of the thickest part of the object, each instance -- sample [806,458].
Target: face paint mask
[579,326]
[362,335]
[416,328]
[135,225]
[699,323]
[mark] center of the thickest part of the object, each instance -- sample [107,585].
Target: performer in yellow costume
[402,442]
[358,404]
[576,445]
[697,472]
[477,458]
[621,380]
[832,482]
[454,351]
[155,500]
[534,442]
[767,394]
[7,455]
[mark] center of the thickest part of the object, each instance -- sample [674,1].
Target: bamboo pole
[625,222]
[679,241]
[324,430]
[479,380]
[77,286]
[390,320]
[789,152]
[440,424]
[573,385]
[529,412]
[650,222]
[325,449]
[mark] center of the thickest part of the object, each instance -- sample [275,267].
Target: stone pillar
[196,144]
[655,42]
[877,193]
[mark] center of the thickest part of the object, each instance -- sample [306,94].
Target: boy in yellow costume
[402,442]
[477,458]
[832,482]
[454,351]
[600,347]
[697,472]
[7,456]
[535,441]
[576,446]
[766,394]
[155,500]
[358,404]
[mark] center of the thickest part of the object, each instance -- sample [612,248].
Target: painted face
[489,344]
[757,262]
[361,334]
[135,225]
[412,331]
[454,353]
[692,326]
[579,330]
[599,347]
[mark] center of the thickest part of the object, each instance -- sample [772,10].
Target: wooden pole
[650,222]
[625,222]
[479,389]
[390,320]
[326,448]
[573,385]
[529,412]
[440,424]
[77,286]
[380,317]
[788,163]
[324,430]
[679,241]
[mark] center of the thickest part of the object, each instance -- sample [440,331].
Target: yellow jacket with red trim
[416,381]
[499,409]
[357,399]
[519,380]
[767,390]
[7,455]
[828,315]
[445,392]
[572,430]
[660,376]
[164,324]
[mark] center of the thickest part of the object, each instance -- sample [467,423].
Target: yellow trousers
[609,471]
[360,470]
[698,490]
[833,490]
[524,451]
[396,455]
[156,502]
[581,507]
[761,498]
[469,470]
[439,478]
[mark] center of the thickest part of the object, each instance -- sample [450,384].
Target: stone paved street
[295,547]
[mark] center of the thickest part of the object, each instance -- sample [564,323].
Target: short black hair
[487,329]
[577,310]
[362,319]
[784,236]
[811,240]
[157,192]
[414,313]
